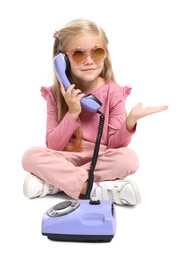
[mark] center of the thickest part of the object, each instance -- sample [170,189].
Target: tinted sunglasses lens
[78,56]
[98,54]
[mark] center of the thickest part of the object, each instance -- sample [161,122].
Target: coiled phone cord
[95,155]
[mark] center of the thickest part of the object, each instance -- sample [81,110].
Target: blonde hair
[63,37]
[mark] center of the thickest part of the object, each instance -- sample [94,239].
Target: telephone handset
[89,102]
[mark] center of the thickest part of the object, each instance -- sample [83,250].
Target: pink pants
[68,171]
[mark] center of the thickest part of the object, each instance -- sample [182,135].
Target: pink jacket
[112,97]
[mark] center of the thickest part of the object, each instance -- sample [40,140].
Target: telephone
[61,65]
[89,219]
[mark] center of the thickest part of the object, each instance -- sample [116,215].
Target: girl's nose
[88,58]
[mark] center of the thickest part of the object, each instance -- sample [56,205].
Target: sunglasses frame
[86,53]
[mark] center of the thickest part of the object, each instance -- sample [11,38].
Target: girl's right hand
[72,98]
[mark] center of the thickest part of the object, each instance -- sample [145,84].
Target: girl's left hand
[138,112]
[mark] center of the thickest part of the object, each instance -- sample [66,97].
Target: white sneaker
[34,187]
[121,192]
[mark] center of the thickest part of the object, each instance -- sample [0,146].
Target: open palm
[139,111]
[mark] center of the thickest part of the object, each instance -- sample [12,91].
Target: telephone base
[81,221]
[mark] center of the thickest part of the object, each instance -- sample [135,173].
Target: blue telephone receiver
[89,102]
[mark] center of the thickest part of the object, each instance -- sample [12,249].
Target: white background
[147,45]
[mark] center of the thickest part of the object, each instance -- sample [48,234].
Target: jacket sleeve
[57,134]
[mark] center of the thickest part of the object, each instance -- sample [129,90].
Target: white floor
[147,43]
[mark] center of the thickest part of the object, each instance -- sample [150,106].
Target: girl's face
[88,70]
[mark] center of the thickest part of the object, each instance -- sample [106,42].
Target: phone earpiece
[67,62]
[61,67]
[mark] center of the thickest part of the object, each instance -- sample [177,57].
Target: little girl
[63,165]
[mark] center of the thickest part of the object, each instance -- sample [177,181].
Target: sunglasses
[97,54]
